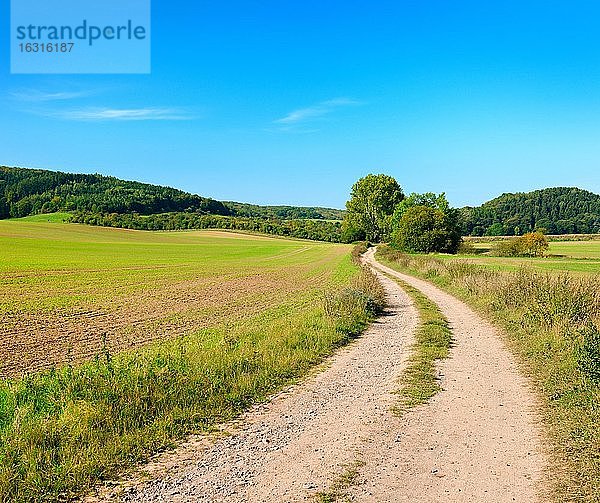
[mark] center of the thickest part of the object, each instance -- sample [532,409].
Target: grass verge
[339,487]
[433,338]
[552,324]
[63,430]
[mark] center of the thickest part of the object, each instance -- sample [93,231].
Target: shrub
[352,307]
[393,255]
[368,283]
[508,248]
[532,244]
[358,250]
[467,248]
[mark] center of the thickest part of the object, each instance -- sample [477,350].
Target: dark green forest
[31,191]
[26,192]
[559,210]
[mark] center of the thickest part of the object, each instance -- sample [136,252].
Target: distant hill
[26,192]
[558,210]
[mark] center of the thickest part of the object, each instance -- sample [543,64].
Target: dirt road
[475,441]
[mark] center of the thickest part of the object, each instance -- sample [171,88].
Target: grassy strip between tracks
[433,338]
[419,382]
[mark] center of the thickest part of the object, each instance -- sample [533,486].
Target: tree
[428,199]
[535,244]
[496,229]
[350,233]
[371,205]
[424,229]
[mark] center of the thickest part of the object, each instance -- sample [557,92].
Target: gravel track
[475,441]
[293,446]
[478,440]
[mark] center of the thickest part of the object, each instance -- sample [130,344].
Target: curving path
[476,441]
[293,446]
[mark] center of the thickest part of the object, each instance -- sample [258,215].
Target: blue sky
[289,102]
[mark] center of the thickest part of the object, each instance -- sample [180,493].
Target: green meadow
[580,257]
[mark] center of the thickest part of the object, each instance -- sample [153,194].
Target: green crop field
[572,249]
[576,249]
[115,342]
[44,217]
[65,288]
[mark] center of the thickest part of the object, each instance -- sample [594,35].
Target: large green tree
[371,206]
[430,199]
[423,229]
[425,223]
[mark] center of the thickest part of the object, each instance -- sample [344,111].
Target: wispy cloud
[48,106]
[122,114]
[316,111]
[34,95]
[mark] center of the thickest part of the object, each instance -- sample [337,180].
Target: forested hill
[559,210]
[32,191]
[23,192]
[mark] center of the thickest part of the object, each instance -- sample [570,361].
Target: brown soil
[32,342]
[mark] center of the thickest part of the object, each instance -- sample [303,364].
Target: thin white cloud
[40,96]
[123,114]
[46,104]
[316,111]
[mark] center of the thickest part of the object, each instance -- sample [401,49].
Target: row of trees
[318,230]
[379,211]
[284,212]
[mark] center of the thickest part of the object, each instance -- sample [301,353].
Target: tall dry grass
[362,299]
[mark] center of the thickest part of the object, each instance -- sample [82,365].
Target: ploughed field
[69,292]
